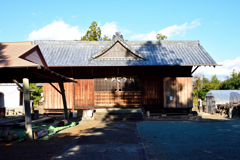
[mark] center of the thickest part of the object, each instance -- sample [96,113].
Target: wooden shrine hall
[153,75]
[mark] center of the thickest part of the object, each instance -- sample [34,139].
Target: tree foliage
[199,83]
[36,95]
[202,85]
[94,34]
[105,38]
[233,82]
[160,37]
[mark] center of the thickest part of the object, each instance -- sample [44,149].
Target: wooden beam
[55,88]
[164,69]
[49,77]
[18,84]
[194,70]
[28,121]
[64,100]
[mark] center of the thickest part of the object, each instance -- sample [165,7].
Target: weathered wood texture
[152,91]
[180,89]
[63,122]
[117,99]
[118,92]
[84,92]
[148,91]
[53,99]
[12,137]
[40,133]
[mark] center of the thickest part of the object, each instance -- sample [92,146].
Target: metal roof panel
[78,53]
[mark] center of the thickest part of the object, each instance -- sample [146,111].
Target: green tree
[160,37]
[94,34]
[200,88]
[105,38]
[233,82]
[202,85]
[36,95]
[216,82]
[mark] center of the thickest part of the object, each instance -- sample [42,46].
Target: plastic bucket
[148,113]
[89,113]
[74,114]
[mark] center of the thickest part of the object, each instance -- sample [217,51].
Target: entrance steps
[118,114]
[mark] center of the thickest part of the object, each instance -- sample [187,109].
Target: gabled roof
[21,59]
[157,53]
[118,39]
[21,54]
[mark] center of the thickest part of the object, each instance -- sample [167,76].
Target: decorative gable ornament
[118,49]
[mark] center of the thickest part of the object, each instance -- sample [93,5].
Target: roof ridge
[168,42]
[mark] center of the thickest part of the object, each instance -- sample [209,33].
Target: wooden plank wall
[180,88]
[53,99]
[118,99]
[152,91]
[84,92]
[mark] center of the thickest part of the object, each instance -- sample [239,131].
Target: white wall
[10,96]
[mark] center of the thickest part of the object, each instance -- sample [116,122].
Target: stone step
[118,110]
[115,118]
[122,114]
[118,114]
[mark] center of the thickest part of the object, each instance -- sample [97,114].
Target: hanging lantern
[113,78]
[105,79]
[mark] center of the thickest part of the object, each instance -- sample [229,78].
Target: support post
[64,100]
[28,120]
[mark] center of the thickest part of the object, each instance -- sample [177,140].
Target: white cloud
[221,71]
[57,30]
[148,36]
[110,28]
[179,30]
[169,31]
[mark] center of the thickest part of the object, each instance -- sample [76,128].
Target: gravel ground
[106,141]
[191,140]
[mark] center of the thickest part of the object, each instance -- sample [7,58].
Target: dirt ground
[44,149]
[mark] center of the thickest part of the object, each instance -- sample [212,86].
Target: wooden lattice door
[119,92]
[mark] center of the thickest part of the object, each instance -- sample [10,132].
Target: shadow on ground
[44,149]
[108,140]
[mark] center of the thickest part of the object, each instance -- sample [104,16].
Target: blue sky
[214,22]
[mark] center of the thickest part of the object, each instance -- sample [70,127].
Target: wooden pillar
[28,121]
[64,100]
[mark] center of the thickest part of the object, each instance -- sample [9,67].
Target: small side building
[11,97]
[215,97]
